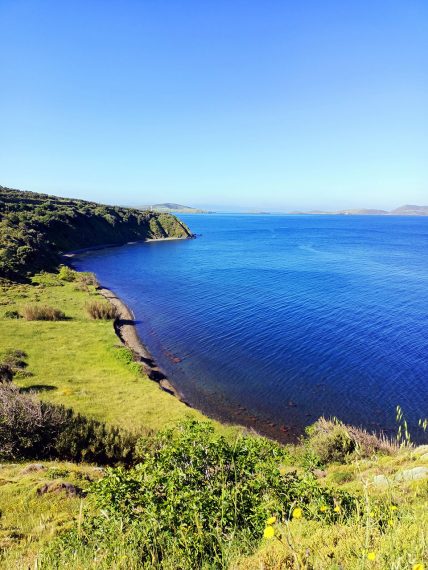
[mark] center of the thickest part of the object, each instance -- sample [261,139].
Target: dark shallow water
[273,321]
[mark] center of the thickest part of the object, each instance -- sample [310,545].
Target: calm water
[273,321]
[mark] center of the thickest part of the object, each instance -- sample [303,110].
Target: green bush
[332,441]
[194,499]
[66,273]
[341,477]
[125,355]
[329,441]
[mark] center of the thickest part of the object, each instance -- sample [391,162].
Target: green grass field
[77,362]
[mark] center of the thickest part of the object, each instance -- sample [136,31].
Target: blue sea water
[272,321]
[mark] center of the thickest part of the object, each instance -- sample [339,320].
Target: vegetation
[196,499]
[31,429]
[101,310]
[193,501]
[79,363]
[36,228]
[42,313]
[180,492]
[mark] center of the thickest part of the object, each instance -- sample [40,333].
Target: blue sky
[257,104]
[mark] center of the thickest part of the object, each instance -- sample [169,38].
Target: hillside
[410,210]
[36,228]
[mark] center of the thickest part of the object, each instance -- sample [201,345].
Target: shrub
[192,498]
[66,273]
[87,279]
[15,358]
[12,315]
[6,373]
[341,477]
[101,310]
[329,441]
[332,441]
[31,429]
[125,355]
[12,362]
[42,313]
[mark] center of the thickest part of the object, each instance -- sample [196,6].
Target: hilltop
[406,210]
[36,228]
[170,207]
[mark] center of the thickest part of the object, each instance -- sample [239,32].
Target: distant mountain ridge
[170,207]
[406,210]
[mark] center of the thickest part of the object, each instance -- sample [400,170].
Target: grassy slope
[402,544]
[75,362]
[29,521]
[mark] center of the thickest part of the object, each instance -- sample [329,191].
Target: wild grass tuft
[101,310]
[36,312]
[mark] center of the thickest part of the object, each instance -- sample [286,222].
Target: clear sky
[224,103]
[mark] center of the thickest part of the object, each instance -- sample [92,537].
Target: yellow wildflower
[323,508]
[336,509]
[393,508]
[282,471]
[390,522]
[269,532]
[271,520]
[371,556]
[418,566]
[297,513]
[371,514]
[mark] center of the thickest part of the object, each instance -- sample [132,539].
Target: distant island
[406,210]
[169,207]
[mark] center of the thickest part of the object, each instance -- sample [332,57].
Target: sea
[272,321]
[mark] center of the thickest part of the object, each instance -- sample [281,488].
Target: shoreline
[126,331]
[124,324]
[74,252]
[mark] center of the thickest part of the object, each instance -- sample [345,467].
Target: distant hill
[410,210]
[170,207]
[36,228]
[407,210]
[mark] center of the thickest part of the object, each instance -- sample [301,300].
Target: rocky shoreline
[124,326]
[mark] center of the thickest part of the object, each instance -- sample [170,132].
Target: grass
[399,543]
[77,362]
[29,521]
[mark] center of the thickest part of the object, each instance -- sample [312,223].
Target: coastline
[124,324]
[74,252]
[125,329]
[126,332]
